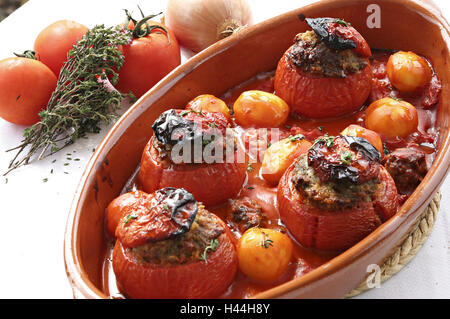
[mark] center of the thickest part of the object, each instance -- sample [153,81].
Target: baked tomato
[335,230]
[315,96]
[210,183]
[326,73]
[55,41]
[151,55]
[168,246]
[25,89]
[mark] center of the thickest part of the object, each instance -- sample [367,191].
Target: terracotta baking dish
[407,25]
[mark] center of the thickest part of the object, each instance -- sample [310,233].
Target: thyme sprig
[81,100]
[213,244]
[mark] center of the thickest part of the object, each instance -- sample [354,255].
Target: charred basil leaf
[362,145]
[321,27]
[182,206]
[171,128]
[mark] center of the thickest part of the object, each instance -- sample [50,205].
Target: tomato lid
[166,213]
[339,35]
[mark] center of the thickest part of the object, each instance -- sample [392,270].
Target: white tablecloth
[33,213]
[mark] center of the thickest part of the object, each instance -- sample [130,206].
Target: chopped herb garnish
[296,138]
[269,144]
[342,22]
[385,149]
[395,98]
[129,217]
[213,124]
[250,187]
[184,113]
[45,180]
[287,126]
[214,243]
[166,207]
[320,128]
[266,242]
[249,167]
[346,158]
[66,164]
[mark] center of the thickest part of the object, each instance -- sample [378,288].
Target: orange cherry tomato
[147,60]
[55,41]
[209,103]
[25,89]
[280,155]
[371,136]
[260,109]
[407,71]
[264,254]
[391,118]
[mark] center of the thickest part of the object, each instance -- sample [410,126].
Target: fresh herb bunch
[81,100]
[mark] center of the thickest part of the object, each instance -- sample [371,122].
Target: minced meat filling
[183,248]
[246,213]
[313,56]
[330,195]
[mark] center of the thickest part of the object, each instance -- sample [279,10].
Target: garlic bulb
[199,23]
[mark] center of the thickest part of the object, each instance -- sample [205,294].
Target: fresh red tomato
[25,88]
[148,59]
[55,41]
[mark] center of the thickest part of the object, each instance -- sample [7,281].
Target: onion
[199,23]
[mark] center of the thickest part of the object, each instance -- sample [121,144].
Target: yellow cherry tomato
[260,109]
[371,136]
[407,71]
[280,155]
[391,118]
[209,103]
[264,254]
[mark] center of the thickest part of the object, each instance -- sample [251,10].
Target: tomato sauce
[256,188]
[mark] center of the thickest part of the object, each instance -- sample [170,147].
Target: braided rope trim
[405,252]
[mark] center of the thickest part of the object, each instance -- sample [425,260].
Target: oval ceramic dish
[224,65]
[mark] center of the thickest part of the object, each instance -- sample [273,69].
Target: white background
[33,213]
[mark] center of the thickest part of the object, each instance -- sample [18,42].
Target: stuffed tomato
[336,194]
[170,246]
[191,149]
[326,73]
